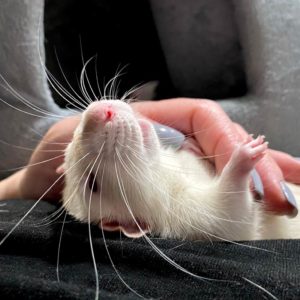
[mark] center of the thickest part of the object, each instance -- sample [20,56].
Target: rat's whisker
[146,179]
[89,221]
[67,81]
[84,76]
[260,287]
[33,164]
[172,155]
[27,148]
[26,102]
[196,211]
[29,113]
[109,84]
[59,247]
[111,261]
[159,251]
[208,234]
[59,89]
[97,78]
[55,215]
[39,200]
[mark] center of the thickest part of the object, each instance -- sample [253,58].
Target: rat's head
[108,166]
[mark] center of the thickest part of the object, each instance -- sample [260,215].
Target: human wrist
[10,186]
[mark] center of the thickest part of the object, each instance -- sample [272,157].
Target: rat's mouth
[133,229]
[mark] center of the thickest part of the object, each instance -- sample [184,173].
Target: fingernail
[168,136]
[258,186]
[289,197]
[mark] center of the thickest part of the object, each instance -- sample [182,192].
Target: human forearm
[9,187]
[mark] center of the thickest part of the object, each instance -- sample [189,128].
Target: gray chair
[200,39]
[243,52]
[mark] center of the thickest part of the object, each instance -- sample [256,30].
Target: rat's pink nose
[99,114]
[109,114]
[106,113]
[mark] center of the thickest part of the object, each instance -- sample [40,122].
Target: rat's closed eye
[93,183]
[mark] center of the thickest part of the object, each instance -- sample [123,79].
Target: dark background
[123,34]
[120,33]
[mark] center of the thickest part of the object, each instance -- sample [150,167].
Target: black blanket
[28,260]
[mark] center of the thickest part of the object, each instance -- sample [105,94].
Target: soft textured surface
[268,35]
[28,264]
[201,46]
[22,73]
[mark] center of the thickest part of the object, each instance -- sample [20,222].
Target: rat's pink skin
[124,179]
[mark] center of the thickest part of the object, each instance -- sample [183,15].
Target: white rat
[120,176]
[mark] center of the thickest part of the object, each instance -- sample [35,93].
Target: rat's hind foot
[249,153]
[245,157]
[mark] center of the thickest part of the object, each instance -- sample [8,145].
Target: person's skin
[215,133]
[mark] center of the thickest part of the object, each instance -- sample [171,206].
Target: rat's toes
[258,141]
[259,150]
[246,156]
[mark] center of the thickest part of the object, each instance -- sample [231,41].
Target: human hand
[35,180]
[217,136]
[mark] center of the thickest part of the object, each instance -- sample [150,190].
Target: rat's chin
[133,228]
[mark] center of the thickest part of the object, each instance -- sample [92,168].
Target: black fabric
[28,263]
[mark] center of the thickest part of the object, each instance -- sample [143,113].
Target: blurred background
[126,34]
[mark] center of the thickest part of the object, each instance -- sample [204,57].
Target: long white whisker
[51,79]
[34,107]
[260,287]
[27,148]
[110,83]
[83,75]
[38,201]
[89,221]
[172,167]
[65,78]
[33,164]
[62,92]
[163,255]
[109,256]
[60,211]
[59,246]
[208,234]
[97,79]
[29,113]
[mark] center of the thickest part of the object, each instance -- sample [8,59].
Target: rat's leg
[235,198]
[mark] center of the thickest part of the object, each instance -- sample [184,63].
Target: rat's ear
[134,234]
[130,229]
[147,91]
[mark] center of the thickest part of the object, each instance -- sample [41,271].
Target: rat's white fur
[176,194]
